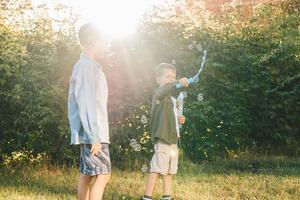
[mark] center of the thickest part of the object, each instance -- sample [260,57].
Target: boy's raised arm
[170,88]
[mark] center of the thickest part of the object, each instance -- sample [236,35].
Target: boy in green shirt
[164,128]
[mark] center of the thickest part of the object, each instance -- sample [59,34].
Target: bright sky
[117,18]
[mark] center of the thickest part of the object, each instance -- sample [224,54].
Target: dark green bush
[250,83]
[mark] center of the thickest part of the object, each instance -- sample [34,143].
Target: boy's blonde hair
[159,69]
[88,34]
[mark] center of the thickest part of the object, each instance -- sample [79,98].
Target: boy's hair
[88,34]
[159,69]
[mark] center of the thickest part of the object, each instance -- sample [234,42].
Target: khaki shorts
[165,158]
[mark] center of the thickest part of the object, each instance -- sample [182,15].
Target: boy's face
[168,76]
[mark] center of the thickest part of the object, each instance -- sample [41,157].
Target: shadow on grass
[35,185]
[42,186]
[117,196]
[277,167]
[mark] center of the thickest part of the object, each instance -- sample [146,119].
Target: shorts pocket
[161,147]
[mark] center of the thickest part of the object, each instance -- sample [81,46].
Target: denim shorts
[92,165]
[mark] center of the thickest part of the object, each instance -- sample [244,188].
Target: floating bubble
[199,47]
[173,61]
[144,168]
[133,143]
[184,94]
[200,97]
[195,79]
[110,54]
[144,119]
[190,46]
[280,44]
[138,147]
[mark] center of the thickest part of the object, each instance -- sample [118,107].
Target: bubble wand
[194,79]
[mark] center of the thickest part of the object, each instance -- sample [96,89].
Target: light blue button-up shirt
[87,103]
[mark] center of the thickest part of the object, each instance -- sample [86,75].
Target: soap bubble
[173,61]
[195,79]
[199,47]
[280,44]
[190,46]
[133,143]
[144,119]
[200,97]
[138,147]
[144,168]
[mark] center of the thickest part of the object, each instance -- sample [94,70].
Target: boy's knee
[104,177]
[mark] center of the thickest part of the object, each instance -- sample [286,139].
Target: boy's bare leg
[98,186]
[167,184]
[151,180]
[83,187]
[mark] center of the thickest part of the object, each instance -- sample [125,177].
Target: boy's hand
[95,148]
[181,119]
[184,82]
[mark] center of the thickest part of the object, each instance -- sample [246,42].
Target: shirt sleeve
[86,92]
[167,89]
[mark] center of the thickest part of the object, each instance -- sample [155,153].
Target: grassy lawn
[264,179]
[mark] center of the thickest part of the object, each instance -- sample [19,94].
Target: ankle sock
[145,197]
[166,197]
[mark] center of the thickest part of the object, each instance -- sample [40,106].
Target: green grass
[242,179]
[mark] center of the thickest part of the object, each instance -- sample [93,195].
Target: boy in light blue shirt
[87,113]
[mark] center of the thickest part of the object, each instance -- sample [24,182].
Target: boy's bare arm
[181,119]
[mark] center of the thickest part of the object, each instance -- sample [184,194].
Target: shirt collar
[83,56]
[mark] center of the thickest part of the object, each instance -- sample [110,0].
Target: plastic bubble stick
[195,78]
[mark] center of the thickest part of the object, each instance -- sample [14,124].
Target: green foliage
[250,83]
[33,99]
[132,127]
[251,80]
